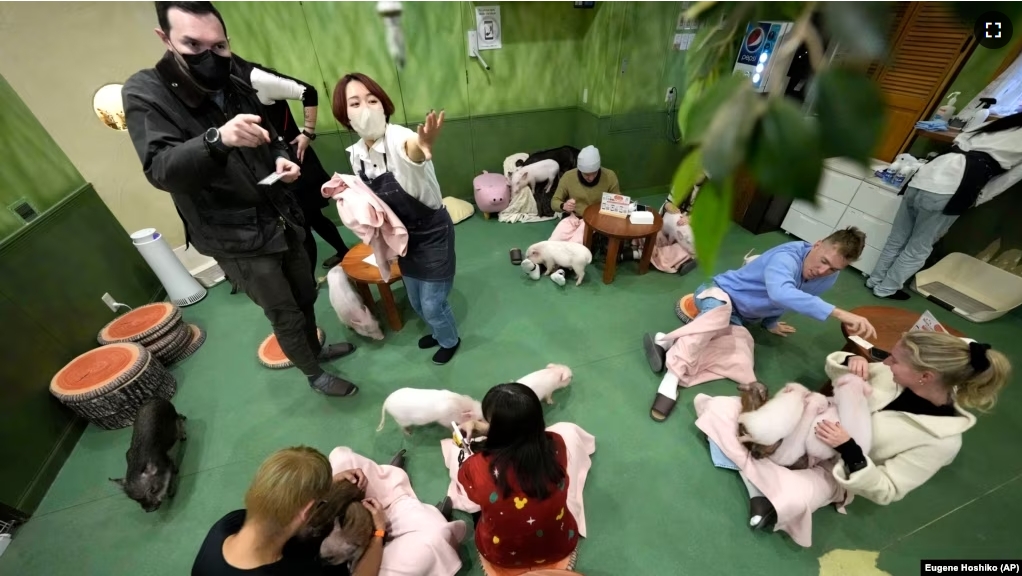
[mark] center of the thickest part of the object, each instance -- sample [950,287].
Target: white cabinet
[848,195]
[877,202]
[826,210]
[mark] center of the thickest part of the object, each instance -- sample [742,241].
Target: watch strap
[309,135]
[379,534]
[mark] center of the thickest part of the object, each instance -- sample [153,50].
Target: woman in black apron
[396,164]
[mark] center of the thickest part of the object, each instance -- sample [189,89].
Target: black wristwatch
[214,143]
[309,135]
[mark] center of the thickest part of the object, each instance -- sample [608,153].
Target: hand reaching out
[289,169]
[301,143]
[244,130]
[782,329]
[429,131]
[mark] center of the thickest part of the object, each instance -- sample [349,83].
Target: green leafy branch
[728,129]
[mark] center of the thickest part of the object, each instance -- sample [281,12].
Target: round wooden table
[890,324]
[616,230]
[364,274]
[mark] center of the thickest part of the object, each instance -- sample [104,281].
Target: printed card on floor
[272,178]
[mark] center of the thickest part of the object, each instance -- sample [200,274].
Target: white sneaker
[558,277]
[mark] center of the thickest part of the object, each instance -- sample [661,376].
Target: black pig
[152,474]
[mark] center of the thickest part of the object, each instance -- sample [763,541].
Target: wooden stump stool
[108,385]
[364,274]
[271,356]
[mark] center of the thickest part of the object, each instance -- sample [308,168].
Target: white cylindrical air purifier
[181,287]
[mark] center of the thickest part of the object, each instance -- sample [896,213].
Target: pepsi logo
[754,39]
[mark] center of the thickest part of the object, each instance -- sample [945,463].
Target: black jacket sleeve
[171,162]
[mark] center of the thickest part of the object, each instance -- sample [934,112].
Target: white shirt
[943,174]
[417,178]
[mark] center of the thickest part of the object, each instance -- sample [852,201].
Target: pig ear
[118,481]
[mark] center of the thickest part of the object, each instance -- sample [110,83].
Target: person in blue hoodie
[789,277]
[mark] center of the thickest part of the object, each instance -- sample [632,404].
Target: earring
[921,382]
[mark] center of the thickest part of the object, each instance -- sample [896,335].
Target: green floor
[655,505]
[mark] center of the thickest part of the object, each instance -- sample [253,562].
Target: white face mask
[369,123]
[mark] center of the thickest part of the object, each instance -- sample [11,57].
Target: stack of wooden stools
[159,328]
[108,385]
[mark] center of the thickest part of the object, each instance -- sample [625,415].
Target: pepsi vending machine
[755,55]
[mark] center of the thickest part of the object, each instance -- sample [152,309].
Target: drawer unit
[876,202]
[826,211]
[867,261]
[804,227]
[838,186]
[876,230]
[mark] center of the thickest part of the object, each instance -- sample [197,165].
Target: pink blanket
[369,218]
[710,348]
[580,444]
[795,494]
[571,228]
[668,255]
[424,543]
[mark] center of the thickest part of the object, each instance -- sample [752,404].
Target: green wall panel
[645,41]
[538,65]
[496,137]
[600,48]
[98,257]
[275,34]
[349,37]
[434,72]
[26,403]
[33,167]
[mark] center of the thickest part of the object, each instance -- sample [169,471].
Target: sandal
[662,407]
[655,355]
[516,256]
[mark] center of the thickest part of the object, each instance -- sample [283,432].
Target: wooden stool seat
[363,274]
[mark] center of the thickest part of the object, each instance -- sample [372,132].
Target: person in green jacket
[577,190]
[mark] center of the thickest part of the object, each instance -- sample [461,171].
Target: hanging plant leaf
[858,27]
[705,107]
[692,93]
[727,137]
[688,173]
[786,157]
[711,217]
[851,114]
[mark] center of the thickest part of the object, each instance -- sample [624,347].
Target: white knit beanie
[589,160]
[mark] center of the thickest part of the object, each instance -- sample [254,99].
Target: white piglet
[544,382]
[349,307]
[531,174]
[554,254]
[415,407]
[777,418]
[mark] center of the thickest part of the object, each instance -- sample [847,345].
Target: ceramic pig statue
[492,192]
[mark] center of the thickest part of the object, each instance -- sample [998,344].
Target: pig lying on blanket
[783,428]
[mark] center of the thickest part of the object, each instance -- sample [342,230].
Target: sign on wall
[488,27]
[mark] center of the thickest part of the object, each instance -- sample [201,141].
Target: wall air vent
[22,209]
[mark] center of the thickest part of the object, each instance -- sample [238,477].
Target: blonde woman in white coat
[918,405]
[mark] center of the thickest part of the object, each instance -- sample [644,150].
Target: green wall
[54,271]
[530,99]
[33,167]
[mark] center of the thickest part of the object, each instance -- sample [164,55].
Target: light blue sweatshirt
[772,284]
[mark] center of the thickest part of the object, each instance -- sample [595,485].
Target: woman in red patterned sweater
[519,480]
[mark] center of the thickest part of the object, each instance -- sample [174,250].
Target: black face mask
[212,71]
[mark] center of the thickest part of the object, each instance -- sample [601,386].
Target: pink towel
[424,543]
[668,255]
[571,228]
[580,444]
[710,348]
[369,218]
[795,494]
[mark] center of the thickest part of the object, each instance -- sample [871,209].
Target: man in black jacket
[196,128]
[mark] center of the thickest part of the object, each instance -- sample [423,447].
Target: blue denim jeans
[429,300]
[707,304]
